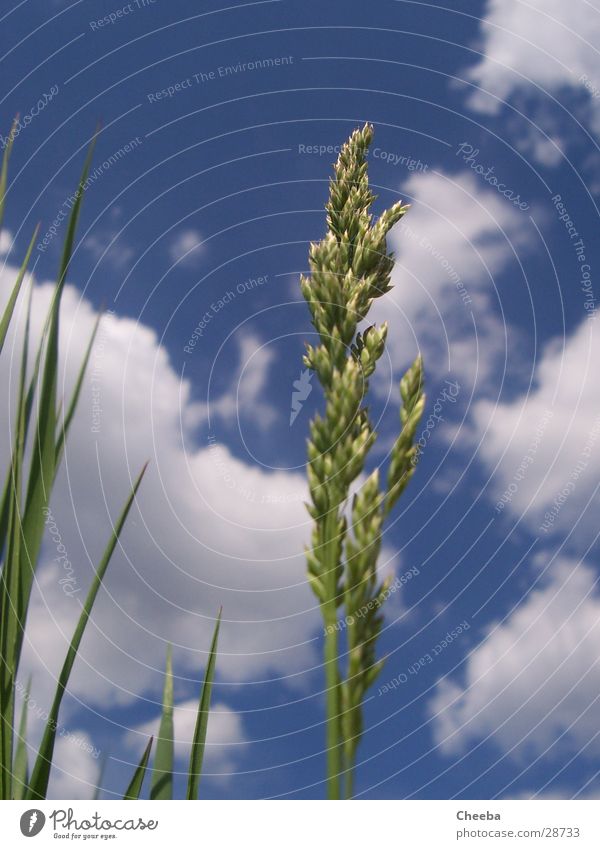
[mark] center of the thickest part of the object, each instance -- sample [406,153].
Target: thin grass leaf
[4,511]
[8,631]
[10,307]
[135,786]
[44,459]
[162,773]
[21,767]
[41,771]
[6,495]
[74,217]
[25,527]
[11,621]
[199,741]
[29,399]
[35,373]
[4,172]
[64,430]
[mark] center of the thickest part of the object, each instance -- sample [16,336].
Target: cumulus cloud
[186,247]
[531,54]
[75,767]
[531,686]
[208,529]
[458,235]
[6,241]
[544,140]
[225,735]
[104,246]
[246,392]
[543,447]
[543,43]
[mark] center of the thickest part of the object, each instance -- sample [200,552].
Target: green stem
[6,729]
[350,779]
[346,723]
[332,678]
[332,675]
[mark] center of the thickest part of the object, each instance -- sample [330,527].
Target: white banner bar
[303,824]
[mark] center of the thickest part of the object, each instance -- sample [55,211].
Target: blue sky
[212,164]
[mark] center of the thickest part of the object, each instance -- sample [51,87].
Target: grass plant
[40,432]
[349,268]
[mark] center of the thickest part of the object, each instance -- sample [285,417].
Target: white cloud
[538,49]
[542,141]
[186,247]
[458,235]
[6,241]
[531,686]
[208,529]
[247,390]
[543,447]
[104,246]
[75,767]
[75,764]
[225,735]
[542,43]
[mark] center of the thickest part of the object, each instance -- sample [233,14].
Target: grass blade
[23,529]
[41,771]
[9,628]
[135,785]
[5,504]
[74,217]
[11,621]
[21,768]
[162,774]
[4,172]
[8,312]
[199,741]
[64,430]
[6,495]
[44,458]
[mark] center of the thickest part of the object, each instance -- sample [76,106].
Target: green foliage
[199,741]
[163,772]
[21,767]
[22,516]
[41,771]
[22,520]
[135,785]
[349,268]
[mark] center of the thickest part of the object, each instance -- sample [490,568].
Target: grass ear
[349,268]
